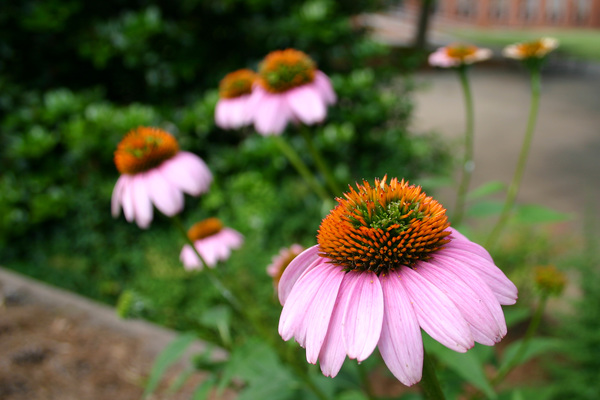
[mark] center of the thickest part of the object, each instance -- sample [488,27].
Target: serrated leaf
[536,346]
[466,365]
[485,208]
[486,189]
[171,354]
[535,214]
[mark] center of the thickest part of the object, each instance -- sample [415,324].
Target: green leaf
[485,208]
[181,379]
[203,390]
[536,346]
[486,189]
[352,395]
[171,354]
[257,364]
[535,214]
[466,365]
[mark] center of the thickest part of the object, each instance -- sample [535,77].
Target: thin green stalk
[321,165]
[302,169]
[467,164]
[235,303]
[365,382]
[531,330]
[429,382]
[513,189]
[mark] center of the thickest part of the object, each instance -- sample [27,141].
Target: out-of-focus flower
[456,55]
[212,240]
[549,280]
[289,88]
[282,260]
[528,50]
[232,110]
[386,265]
[154,171]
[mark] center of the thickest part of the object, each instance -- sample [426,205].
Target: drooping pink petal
[167,198]
[141,201]
[363,314]
[187,172]
[484,328]
[189,258]
[460,241]
[333,351]
[232,113]
[115,200]
[400,344]
[478,285]
[441,59]
[437,314]
[294,270]
[319,313]
[506,292]
[306,104]
[271,114]
[323,84]
[293,321]
[127,198]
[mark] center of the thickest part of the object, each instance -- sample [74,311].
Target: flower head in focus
[457,55]
[212,240]
[235,88]
[386,265]
[289,88]
[535,49]
[282,260]
[154,171]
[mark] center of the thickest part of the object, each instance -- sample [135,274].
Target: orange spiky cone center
[460,52]
[144,148]
[204,229]
[383,227]
[283,70]
[237,83]
[531,49]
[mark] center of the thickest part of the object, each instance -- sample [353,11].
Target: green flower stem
[235,303]
[513,189]
[467,164]
[531,330]
[321,165]
[302,169]
[429,382]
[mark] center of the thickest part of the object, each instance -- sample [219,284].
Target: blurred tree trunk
[425,12]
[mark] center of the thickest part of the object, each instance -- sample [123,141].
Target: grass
[577,43]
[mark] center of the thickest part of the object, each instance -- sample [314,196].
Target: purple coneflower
[534,49]
[457,55]
[280,261]
[154,171]
[212,240]
[232,110]
[386,265]
[289,88]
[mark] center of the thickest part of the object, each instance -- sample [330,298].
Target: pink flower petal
[232,113]
[293,321]
[294,270]
[363,314]
[460,241]
[167,198]
[127,198]
[319,313]
[141,202]
[306,104]
[484,327]
[323,85]
[333,351]
[506,292]
[117,194]
[187,172]
[189,258]
[400,344]
[271,114]
[437,314]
